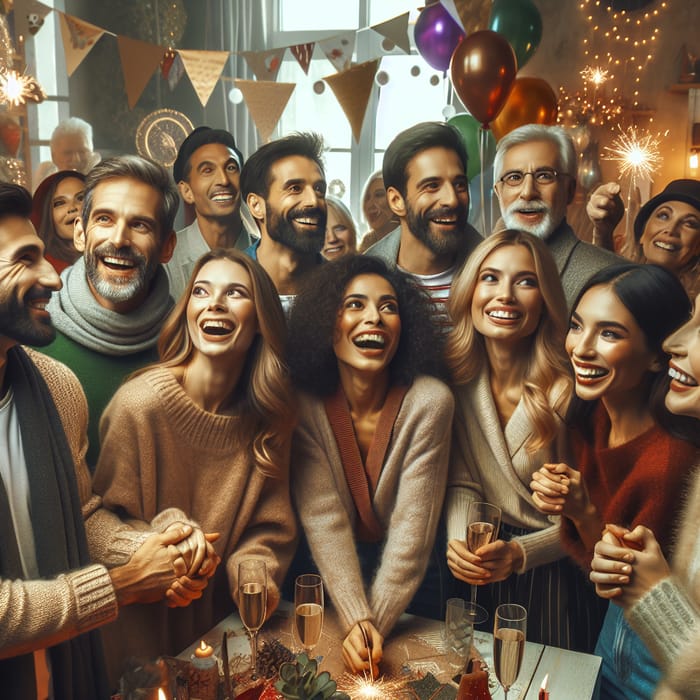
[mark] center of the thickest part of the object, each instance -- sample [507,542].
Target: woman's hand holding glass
[627,564]
[357,655]
[496,561]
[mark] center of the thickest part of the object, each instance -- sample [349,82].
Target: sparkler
[16,88]
[636,152]
[361,688]
[597,76]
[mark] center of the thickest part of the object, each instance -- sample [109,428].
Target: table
[416,646]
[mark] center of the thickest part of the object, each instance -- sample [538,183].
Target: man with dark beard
[284,185]
[425,174]
[535,181]
[115,298]
[51,594]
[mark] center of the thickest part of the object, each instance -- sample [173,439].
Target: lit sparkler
[637,153]
[360,688]
[17,88]
[597,76]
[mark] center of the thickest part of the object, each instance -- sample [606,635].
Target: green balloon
[470,130]
[520,22]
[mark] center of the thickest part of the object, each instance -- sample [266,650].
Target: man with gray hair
[71,149]
[535,181]
[115,298]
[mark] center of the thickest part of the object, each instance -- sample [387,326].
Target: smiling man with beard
[115,298]
[284,185]
[426,183]
[207,172]
[535,181]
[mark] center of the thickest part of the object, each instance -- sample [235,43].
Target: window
[414,92]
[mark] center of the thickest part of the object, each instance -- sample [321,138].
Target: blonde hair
[266,405]
[547,382]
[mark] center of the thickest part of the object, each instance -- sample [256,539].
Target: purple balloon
[437,36]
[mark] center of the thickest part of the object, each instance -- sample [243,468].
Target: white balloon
[235,96]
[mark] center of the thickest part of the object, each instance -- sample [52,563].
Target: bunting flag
[78,39]
[303,53]
[29,16]
[266,101]
[204,69]
[396,30]
[339,49]
[177,70]
[472,15]
[264,64]
[352,89]
[139,61]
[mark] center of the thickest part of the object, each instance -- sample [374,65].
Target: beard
[119,290]
[438,243]
[16,321]
[282,229]
[543,229]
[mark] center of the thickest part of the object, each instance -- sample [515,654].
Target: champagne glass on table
[483,521]
[508,643]
[252,602]
[308,609]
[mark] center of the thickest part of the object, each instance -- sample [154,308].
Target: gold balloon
[531,101]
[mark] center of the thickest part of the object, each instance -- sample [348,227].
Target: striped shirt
[438,289]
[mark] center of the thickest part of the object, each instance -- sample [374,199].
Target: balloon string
[482,149]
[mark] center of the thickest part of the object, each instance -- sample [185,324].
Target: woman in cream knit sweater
[203,437]
[370,453]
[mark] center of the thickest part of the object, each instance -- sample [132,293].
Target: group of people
[252,387]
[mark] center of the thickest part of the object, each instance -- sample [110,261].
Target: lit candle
[204,673]
[161,694]
[204,650]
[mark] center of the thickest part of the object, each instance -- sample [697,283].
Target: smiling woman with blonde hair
[203,437]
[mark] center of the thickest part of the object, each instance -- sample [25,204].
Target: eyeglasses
[541,176]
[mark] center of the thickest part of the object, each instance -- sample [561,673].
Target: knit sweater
[489,463]
[667,618]
[163,455]
[37,614]
[632,484]
[407,502]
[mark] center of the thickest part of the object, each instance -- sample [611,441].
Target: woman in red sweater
[630,467]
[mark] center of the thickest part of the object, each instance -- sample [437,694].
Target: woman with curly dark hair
[369,458]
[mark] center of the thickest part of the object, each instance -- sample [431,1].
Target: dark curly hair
[310,357]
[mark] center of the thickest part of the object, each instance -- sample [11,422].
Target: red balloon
[483,70]
[531,101]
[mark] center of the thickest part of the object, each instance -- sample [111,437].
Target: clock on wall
[160,135]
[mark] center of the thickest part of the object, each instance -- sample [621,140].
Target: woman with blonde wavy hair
[512,383]
[203,437]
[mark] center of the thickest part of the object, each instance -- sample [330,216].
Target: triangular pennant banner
[78,39]
[29,16]
[139,61]
[470,14]
[177,70]
[339,49]
[303,53]
[264,64]
[396,30]
[352,89]
[204,69]
[266,101]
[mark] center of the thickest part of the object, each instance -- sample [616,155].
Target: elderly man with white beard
[535,181]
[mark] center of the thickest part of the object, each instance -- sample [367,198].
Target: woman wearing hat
[666,230]
[57,204]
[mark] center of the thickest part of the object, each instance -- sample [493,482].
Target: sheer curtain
[238,25]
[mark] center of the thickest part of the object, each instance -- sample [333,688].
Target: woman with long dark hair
[370,453]
[629,465]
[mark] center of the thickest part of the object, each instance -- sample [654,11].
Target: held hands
[605,210]
[356,655]
[627,564]
[190,587]
[493,562]
[557,489]
[197,551]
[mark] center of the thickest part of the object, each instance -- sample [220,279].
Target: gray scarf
[76,313]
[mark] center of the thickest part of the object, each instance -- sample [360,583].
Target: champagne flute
[483,521]
[509,643]
[308,609]
[252,602]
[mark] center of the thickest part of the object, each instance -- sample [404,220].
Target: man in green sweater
[115,298]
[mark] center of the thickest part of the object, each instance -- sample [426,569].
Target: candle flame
[161,694]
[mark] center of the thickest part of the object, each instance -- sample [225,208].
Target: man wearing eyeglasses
[535,176]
